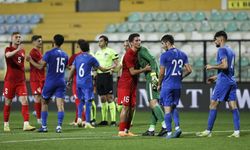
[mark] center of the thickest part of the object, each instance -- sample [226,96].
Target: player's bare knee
[233,105]
[213,105]
[7,102]
[103,98]
[153,103]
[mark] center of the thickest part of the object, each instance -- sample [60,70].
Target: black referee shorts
[104,83]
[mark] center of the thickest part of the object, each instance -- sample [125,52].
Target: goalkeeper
[157,114]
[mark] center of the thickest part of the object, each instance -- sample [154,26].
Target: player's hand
[147,68]
[211,79]
[28,58]
[208,67]
[68,84]
[154,80]
[20,46]
[159,88]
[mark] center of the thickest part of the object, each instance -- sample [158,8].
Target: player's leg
[176,118]
[93,113]
[131,102]
[123,121]
[36,88]
[235,112]
[80,109]
[88,94]
[100,86]
[60,114]
[112,109]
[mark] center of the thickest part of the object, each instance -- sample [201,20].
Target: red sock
[6,113]
[25,112]
[77,103]
[38,110]
[83,116]
[122,126]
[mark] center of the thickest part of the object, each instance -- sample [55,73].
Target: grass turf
[106,137]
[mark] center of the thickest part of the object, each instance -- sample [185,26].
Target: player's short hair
[132,36]
[168,38]
[35,37]
[58,39]
[15,33]
[84,45]
[220,33]
[105,38]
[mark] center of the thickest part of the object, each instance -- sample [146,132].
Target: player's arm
[223,65]
[41,63]
[71,74]
[147,56]
[161,76]
[187,70]
[12,53]
[134,71]
[103,69]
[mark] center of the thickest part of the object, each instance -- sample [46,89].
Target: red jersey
[36,74]
[15,66]
[127,80]
[71,60]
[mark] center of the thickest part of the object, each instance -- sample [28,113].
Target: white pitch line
[82,138]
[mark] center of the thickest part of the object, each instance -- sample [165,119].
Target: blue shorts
[53,89]
[85,94]
[170,97]
[224,93]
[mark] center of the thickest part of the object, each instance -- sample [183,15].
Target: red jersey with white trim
[127,80]
[15,66]
[36,74]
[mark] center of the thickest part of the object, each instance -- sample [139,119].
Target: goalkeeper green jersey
[144,58]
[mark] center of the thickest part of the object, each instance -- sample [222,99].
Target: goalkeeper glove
[154,80]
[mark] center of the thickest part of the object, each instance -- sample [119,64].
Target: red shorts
[11,89]
[127,97]
[36,87]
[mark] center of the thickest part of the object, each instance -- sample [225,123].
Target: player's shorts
[36,87]
[152,94]
[85,94]
[104,83]
[224,93]
[127,97]
[54,89]
[11,89]
[170,97]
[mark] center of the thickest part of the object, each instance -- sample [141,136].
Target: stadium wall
[195,97]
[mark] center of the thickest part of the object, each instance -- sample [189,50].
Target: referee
[104,80]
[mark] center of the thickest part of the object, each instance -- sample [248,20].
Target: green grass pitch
[102,138]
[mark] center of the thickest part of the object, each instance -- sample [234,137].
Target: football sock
[122,126]
[128,124]
[77,104]
[88,111]
[175,115]
[104,111]
[158,113]
[25,112]
[153,119]
[168,121]
[6,113]
[93,110]
[38,107]
[60,116]
[211,119]
[236,119]
[80,109]
[44,115]
[83,116]
[119,108]
[112,111]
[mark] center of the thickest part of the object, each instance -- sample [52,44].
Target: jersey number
[177,63]
[81,70]
[19,59]
[60,65]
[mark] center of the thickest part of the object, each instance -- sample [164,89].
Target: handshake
[154,80]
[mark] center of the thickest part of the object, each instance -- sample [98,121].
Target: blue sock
[80,109]
[88,111]
[211,119]
[60,116]
[175,115]
[44,116]
[236,118]
[168,121]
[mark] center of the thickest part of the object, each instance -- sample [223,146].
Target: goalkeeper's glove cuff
[153,74]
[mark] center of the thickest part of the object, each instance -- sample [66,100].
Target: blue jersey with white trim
[84,63]
[173,61]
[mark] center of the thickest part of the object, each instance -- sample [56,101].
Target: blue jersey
[173,60]
[83,64]
[57,61]
[226,75]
